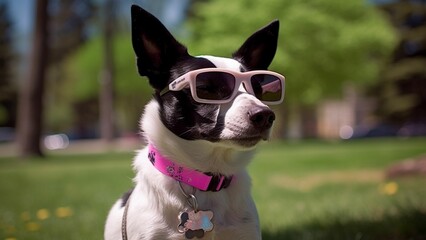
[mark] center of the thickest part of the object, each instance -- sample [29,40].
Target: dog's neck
[203,181]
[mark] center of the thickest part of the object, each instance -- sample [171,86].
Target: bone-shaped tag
[195,224]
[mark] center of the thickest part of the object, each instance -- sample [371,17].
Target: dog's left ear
[259,49]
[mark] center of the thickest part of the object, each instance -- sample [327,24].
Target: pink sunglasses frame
[189,78]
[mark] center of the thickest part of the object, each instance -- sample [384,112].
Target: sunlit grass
[305,190]
[327,191]
[62,197]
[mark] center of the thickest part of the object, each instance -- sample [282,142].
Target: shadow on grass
[409,224]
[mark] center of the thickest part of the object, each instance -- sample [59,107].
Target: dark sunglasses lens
[267,87]
[215,85]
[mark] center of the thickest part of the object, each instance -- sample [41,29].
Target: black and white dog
[207,115]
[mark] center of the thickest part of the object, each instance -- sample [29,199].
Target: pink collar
[203,181]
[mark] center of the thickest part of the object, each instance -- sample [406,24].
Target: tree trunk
[106,97]
[31,96]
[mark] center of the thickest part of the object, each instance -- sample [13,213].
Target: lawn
[303,190]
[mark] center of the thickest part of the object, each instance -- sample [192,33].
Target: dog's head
[238,122]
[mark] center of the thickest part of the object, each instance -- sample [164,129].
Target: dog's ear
[155,48]
[259,49]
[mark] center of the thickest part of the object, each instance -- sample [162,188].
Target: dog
[207,115]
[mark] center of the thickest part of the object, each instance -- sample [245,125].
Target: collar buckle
[218,182]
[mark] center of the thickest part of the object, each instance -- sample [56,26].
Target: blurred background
[348,156]
[354,69]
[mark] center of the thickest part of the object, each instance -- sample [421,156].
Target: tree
[31,96]
[402,89]
[82,74]
[51,42]
[7,58]
[323,44]
[70,26]
[106,95]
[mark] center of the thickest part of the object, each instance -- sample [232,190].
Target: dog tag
[195,223]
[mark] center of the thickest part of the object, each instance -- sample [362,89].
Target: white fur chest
[157,202]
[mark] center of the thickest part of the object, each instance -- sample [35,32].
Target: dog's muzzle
[262,118]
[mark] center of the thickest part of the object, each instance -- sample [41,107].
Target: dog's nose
[261,117]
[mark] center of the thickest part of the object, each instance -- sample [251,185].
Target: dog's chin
[245,142]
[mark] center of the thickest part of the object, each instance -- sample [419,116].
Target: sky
[171,13]
[22,11]
[22,14]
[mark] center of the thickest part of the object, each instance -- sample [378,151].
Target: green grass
[336,191]
[305,190]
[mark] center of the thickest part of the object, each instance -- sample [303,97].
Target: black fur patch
[182,115]
[126,197]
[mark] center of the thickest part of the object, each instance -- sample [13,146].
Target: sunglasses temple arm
[176,85]
[164,91]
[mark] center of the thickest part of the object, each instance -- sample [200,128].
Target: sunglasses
[218,86]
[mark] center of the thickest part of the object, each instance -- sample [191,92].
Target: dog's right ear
[155,48]
[259,49]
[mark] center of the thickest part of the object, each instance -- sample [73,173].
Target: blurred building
[345,118]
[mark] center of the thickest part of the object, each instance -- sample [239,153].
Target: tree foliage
[83,75]
[83,71]
[68,26]
[323,43]
[402,89]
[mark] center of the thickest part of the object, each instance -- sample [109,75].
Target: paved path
[82,146]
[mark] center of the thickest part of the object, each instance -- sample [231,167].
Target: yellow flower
[10,238]
[43,214]
[32,226]
[389,188]
[63,212]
